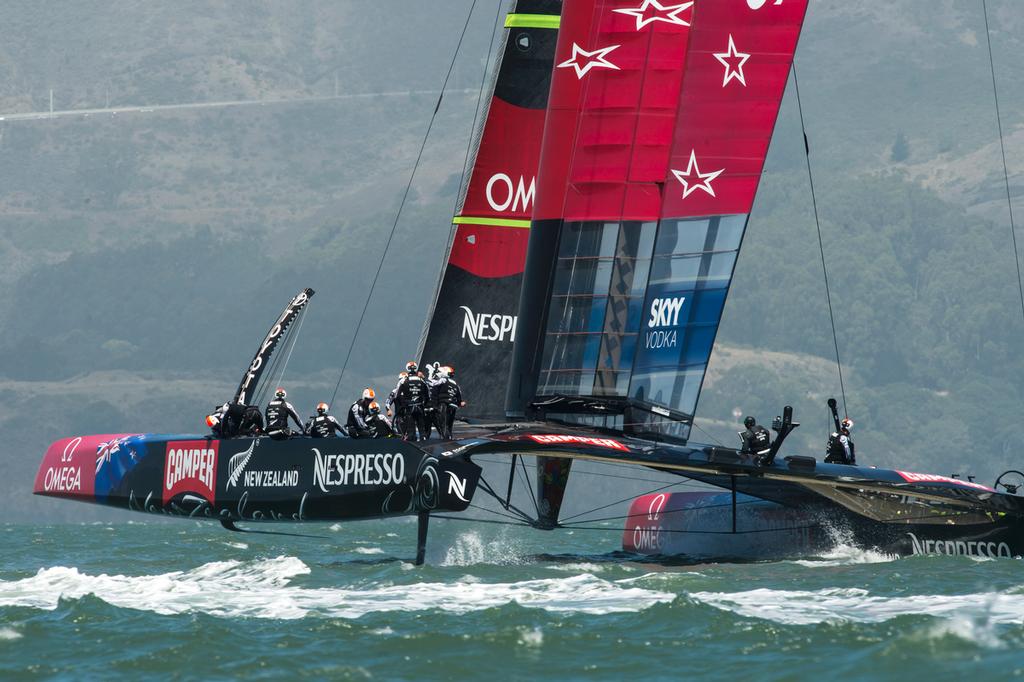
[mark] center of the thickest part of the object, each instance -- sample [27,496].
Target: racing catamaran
[590,260]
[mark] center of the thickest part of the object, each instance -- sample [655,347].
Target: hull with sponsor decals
[703,527]
[257,479]
[791,508]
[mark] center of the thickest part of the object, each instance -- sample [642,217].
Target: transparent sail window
[596,309]
[690,273]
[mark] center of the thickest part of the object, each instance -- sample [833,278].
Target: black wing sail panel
[251,379]
[473,322]
[658,125]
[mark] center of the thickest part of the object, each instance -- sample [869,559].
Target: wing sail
[658,125]
[473,323]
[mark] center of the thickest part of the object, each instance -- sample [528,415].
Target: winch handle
[832,405]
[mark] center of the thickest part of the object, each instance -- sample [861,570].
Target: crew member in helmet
[411,398]
[323,425]
[228,420]
[840,445]
[431,416]
[431,371]
[278,412]
[356,424]
[756,439]
[252,421]
[389,404]
[377,425]
[213,420]
[446,397]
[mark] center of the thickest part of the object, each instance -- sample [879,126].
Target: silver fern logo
[236,465]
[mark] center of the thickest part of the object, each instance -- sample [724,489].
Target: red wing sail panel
[612,110]
[473,322]
[659,121]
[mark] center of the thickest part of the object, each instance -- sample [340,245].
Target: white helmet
[368,393]
[280,393]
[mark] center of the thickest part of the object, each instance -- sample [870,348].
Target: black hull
[799,508]
[257,479]
[705,527]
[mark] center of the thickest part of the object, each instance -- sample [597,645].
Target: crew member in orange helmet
[356,425]
[323,425]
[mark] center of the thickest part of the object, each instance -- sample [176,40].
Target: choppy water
[189,601]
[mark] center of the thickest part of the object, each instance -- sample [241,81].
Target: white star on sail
[685,178]
[732,71]
[669,13]
[595,60]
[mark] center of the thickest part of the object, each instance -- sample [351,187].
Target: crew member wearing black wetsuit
[323,425]
[756,439]
[377,425]
[357,414]
[839,449]
[278,412]
[446,397]
[232,419]
[411,397]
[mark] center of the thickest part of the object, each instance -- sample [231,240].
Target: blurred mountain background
[206,160]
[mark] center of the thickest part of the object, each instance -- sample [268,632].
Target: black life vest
[277,414]
[447,392]
[412,392]
[323,426]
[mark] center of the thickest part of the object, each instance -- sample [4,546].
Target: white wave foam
[531,638]
[237,545]
[857,605]
[368,550]
[847,555]
[470,549]
[578,567]
[9,634]
[261,589]
[980,631]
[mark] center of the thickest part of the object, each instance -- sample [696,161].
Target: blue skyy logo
[663,320]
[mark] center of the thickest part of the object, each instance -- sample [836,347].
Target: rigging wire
[575,472]
[1002,148]
[291,335]
[405,197]
[625,499]
[447,517]
[487,488]
[821,246]
[693,424]
[476,112]
[476,136]
[524,477]
[290,342]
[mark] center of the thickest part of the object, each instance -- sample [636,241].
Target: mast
[251,378]
[473,322]
[659,122]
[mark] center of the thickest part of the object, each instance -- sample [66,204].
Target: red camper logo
[190,467]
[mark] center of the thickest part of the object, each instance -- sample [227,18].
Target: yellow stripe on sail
[491,222]
[532,21]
